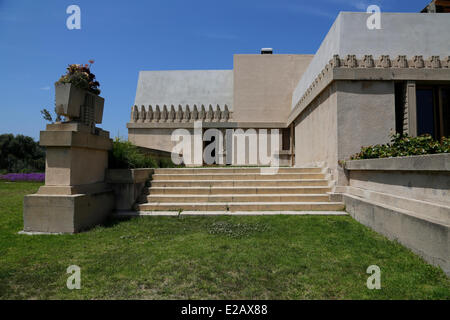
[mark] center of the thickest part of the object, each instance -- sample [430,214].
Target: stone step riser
[218,177]
[234,170]
[237,183]
[237,190]
[238,198]
[242,207]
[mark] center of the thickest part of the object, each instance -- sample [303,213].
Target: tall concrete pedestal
[75,196]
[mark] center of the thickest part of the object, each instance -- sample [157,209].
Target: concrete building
[364,83]
[361,85]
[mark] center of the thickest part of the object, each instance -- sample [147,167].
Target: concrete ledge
[223,125]
[428,210]
[75,126]
[428,239]
[75,140]
[227,213]
[128,175]
[432,162]
[73,190]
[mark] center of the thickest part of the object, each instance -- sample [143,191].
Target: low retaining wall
[425,237]
[424,178]
[406,199]
[127,185]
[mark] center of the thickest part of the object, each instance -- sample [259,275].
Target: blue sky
[124,37]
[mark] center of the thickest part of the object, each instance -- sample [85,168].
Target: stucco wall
[407,34]
[158,139]
[185,87]
[365,115]
[263,85]
[316,131]
[344,117]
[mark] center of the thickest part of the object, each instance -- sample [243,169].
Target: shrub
[403,145]
[20,154]
[166,163]
[81,76]
[126,155]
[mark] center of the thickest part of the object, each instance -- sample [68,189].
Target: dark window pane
[425,112]
[446,111]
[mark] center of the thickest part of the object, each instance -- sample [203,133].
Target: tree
[20,154]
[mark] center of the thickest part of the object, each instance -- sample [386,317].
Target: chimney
[266,51]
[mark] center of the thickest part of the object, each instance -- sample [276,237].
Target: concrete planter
[128,185]
[99,103]
[69,99]
[429,162]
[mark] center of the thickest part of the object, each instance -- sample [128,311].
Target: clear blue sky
[125,37]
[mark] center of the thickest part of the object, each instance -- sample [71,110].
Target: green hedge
[403,145]
[126,155]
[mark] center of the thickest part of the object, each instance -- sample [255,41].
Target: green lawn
[268,257]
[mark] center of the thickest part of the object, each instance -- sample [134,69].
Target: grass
[266,257]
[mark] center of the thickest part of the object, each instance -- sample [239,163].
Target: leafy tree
[20,154]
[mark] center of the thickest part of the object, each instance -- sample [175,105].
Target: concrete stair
[239,189]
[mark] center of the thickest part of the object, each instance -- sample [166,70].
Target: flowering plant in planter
[81,77]
[77,95]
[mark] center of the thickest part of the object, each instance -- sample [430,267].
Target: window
[433,110]
[445,117]
[426,111]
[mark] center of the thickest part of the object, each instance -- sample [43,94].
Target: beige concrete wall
[365,115]
[425,177]
[344,117]
[316,131]
[428,186]
[263,85]
[158,139]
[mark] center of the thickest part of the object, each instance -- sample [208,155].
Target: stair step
[240,183]
[172,213]
[235,170]
[237,176]
[238,190]
[226,198]
[243,206]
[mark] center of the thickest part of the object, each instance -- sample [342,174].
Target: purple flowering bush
[16,177]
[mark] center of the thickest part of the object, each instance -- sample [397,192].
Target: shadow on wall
[364,87]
